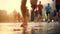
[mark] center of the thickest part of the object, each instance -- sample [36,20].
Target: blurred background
[11,18]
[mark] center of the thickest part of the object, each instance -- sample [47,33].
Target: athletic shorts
[36,13]
[47,13]
[55,13]
[40,13]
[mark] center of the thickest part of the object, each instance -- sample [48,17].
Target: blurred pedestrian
[55,15]
[39,7]
[48,10]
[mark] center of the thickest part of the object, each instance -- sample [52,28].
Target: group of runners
[38,12]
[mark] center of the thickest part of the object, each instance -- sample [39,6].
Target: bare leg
[33,6]
[23,9]
[39,17]
[48,17]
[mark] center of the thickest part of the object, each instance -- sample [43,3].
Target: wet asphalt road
[32,28]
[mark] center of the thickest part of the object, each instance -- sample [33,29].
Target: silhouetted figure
[58,6]
[55,15]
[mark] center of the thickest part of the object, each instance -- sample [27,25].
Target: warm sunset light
[10,5]
[29,17]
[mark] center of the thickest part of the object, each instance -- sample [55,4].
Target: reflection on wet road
[32,28]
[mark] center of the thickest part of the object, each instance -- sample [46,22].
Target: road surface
[32,28]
